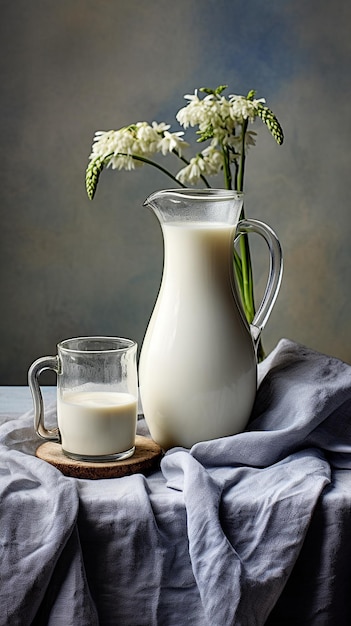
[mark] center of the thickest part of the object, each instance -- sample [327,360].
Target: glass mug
[97,398]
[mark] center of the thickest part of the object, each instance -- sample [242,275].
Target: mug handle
[44,363]
[247,226]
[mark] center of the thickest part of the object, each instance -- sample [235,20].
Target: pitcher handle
[44,363]
[247,226]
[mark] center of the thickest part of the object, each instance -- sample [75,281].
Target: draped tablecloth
[246,530]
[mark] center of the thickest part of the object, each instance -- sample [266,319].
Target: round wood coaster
[146,456]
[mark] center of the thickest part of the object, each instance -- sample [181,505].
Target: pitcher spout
[213,205]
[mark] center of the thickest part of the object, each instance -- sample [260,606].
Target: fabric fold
[246,527]
[250,498]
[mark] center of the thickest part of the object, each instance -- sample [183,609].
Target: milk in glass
[97,423]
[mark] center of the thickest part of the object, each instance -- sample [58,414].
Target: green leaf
[213,92]
[206,134]
[219,89]
[206,90]
[267,116]
[251,94]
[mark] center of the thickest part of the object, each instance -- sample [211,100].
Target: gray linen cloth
[220,536]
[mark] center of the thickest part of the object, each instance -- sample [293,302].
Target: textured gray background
[74,267]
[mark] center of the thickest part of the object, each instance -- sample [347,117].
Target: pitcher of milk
[197,367]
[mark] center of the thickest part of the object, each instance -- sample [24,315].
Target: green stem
[149,162]
[226,168]
[241,165]
[247,277]
[238,270]
[236,166]
[248,295]
[246,283]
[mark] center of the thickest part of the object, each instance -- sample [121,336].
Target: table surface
[16,400]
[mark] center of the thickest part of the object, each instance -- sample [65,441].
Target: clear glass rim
[203,194]
[121,344]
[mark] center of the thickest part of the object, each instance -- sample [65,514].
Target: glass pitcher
[197,367]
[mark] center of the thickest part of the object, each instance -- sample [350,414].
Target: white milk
[197,368]
[95,423]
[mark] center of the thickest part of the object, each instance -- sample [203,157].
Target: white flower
[188,115]
[140,139]
[104,143]
[221,123]
[172,141]
[112,142]
[212,115]
[124,142]
[242,109]
[160,128]
[145,139]
[206,163]
[123,162]
[191,173]
[197,112]
[213,159]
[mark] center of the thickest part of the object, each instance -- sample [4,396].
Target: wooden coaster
[146,456]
